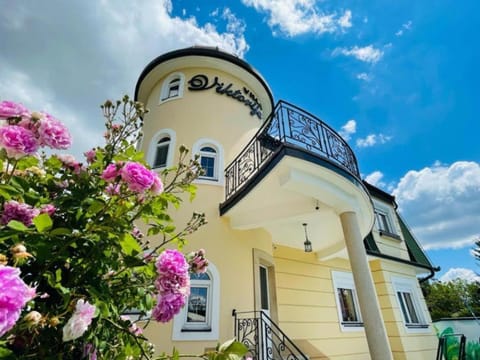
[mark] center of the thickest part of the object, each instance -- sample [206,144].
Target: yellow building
[307,260]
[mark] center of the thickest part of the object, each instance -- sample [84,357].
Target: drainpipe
[375,330]
[431,275]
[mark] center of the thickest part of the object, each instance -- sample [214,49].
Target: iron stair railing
[263,338]
[447,344]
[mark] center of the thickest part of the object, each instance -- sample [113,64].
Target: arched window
[172,87]
[211,159]
[199,318]
[161,153]
[199,304]
[160,150]
[209,162]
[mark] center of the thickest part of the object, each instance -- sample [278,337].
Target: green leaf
[26,162]
[60,231]
[7,191]
[96,207]
[129,245]
[17,225]
[43,222]
[6,354]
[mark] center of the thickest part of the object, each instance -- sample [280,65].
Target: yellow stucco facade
[256,243]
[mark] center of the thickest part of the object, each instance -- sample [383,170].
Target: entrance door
[265,324]
[264,290]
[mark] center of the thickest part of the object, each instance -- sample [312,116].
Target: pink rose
[80,320]
[157,186]
[90,155]
[113,189]
[48,209]
[168,306]
[13,210]
[110,173]
[17,141]
[53,133]
[10,109]
[14,296]
[137,177]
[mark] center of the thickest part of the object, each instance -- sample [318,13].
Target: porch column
[372,318]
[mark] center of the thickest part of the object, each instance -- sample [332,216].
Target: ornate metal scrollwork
[290,125]
[263,338]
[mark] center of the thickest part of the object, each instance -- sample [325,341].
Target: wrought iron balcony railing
[263,338]
[292,126]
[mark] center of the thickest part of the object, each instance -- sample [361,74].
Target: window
[172,87]
[211,160]
[161,153]
[160,150]
[199,319]
[199,303]
[208,161]
[384,221]
[409,302]
[347,301]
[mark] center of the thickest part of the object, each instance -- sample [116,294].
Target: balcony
[295,169]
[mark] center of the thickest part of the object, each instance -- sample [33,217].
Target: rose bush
[72,260]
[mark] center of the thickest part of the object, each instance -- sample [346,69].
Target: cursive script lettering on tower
[201,82]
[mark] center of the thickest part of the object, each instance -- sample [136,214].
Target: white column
[372,318]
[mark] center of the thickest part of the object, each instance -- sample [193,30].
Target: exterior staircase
[264,339]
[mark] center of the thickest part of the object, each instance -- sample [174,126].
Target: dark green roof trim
[207,52]
[397,259]
[414,250]
[380,194]
[370,244]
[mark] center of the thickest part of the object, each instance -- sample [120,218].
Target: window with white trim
[347,301]
[209,162]
[199,318]
[160,151]
[199,304]
[384,221]
[172,87]
[210,154]
[406,293]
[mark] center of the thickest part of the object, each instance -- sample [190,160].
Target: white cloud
[348,129]
[405,27]
[459,273]
[367,54]
[234,25]
[375,178]
[372,140]
[345,20]
[74,55]
[297,17]
[441,203]
[363,76]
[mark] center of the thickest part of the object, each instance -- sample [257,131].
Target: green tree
[457,298]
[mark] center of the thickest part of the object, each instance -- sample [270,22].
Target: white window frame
[344,280]
[402,285]
[152,148]
[383,210]
[183,331]
[218,178]
[166,87]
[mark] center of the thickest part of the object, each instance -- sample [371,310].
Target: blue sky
[397,79]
